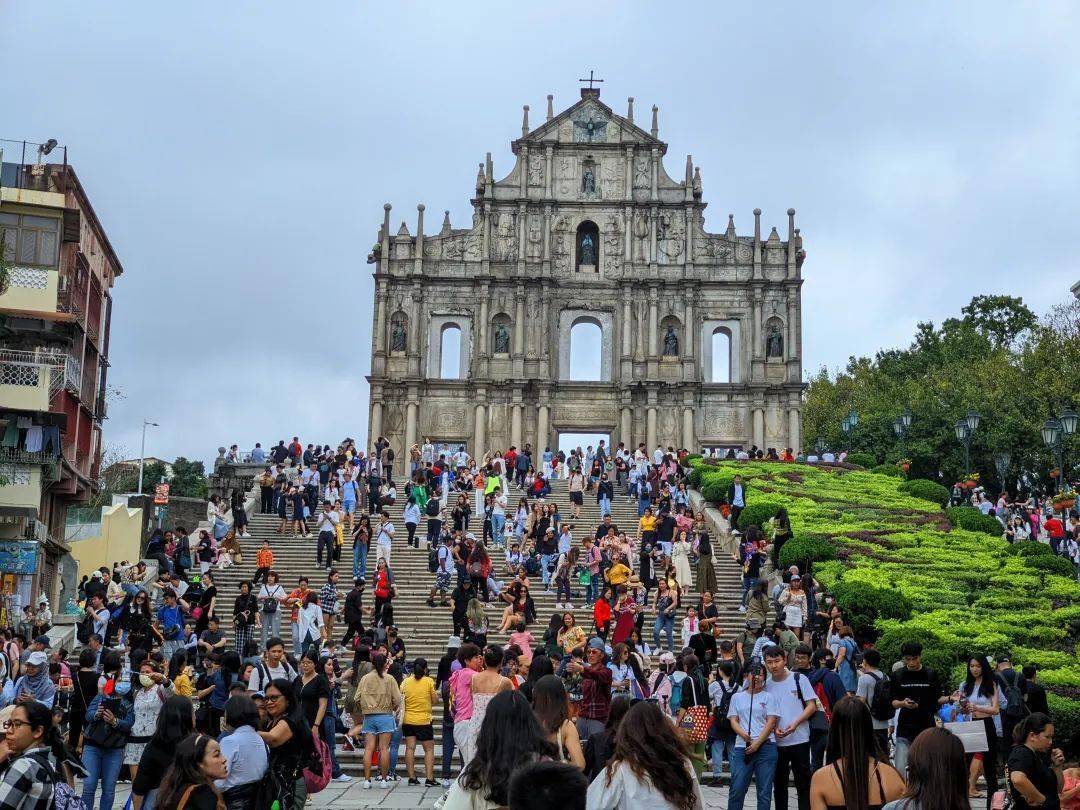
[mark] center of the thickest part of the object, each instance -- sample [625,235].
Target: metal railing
[19,367]
[18,160]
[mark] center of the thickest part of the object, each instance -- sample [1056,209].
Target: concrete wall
[186,512]
[27,397]
[31,289]
[120,539]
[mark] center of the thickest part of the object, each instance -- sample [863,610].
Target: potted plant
[1063,501]
[904,464]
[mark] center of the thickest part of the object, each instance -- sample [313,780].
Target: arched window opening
[450,352]
[588,248]
[585,351]
[721,356]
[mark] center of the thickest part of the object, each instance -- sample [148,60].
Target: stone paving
[352,796]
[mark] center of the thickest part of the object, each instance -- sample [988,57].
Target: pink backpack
[317,774]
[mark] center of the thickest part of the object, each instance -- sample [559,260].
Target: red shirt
[1054,528]
[595,693]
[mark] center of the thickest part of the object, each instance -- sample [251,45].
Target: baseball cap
[596,643]
[795,577]
[453,643]
[37,659]
[43,641]
[667,658]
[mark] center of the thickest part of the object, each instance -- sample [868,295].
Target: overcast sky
[239,155]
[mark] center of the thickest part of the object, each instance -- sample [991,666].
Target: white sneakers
[366,784]
[742,608]
[343,778]
[379,783]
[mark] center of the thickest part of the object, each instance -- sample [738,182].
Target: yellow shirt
[647,523]
[182,685]
[420,696]
[618,574]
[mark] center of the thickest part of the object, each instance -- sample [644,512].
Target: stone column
[515,425]
[519,320]
[654,304]
[546,330]
[543,430]
[627,347]
[376,419]
[653,214]
[688,429]
[549,183]
[689,328]
[482,327]
[628,185]
[654,173]
[759,426]
[547,238]
[794,429]
[650,428]
[410,434]
[479,432]
[626,426]
[380,318]
[789,339]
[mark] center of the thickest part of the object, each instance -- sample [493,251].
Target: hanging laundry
[33,439]
[51,442]
[11,436]
[24,422]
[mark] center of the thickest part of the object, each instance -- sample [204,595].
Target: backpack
[317,773]
[85,629]
[1017,708]
[433,559]
[432,508]
[183,554]
[722,721]
[675,701]
[64,796]
[881,699]
[819,720]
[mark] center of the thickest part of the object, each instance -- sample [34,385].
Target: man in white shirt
[328,521]
[754,715]
[658,455]
[383,541]
[796,702]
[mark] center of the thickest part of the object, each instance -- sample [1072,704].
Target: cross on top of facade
[590,80]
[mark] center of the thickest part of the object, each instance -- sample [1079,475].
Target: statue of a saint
[774,345]
[588,249]
[588,181]
[502,339]
[397,337]
[671,343]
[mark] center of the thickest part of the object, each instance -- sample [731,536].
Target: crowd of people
[610,713]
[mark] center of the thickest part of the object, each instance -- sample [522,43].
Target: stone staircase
[424,629]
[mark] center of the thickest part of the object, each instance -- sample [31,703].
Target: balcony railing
[20,367]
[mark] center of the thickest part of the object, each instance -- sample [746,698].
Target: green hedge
[926,490]
[890,470]
[1052,565]
[758,512]
[970,518]
[714,485]
[866,460]
[691,459]
[802,551]
[1029,548]
[937,653]
[864,604]
[1065,713]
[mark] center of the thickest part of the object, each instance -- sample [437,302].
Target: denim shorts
[348,507]
[379,724]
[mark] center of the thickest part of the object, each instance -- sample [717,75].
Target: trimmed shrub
[866,460]
[695,477]
[1052,564]
[938,654]
[926,490]
[802,551]
[758,512]
[1029,548]
[864,604]
[970,518]
[889,469]
[714,485]
[1065,713]
[690,459]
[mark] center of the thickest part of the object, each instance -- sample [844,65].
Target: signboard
[161,493]
[18,556]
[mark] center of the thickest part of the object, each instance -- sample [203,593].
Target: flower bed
[969,592]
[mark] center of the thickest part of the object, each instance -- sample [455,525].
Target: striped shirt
[27,784]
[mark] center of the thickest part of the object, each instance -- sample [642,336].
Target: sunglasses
[272,698]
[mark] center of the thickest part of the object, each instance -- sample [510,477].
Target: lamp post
[1001,464]
[1055,432]
[848,426]
[900,428]
[965,431]
[142,452]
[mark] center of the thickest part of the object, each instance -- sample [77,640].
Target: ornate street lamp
[1001,463]
[900,428]
[1055,432]
[819,447]
[848,426]
[965,430]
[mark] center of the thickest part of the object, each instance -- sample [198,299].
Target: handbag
[1003,799]
[695,719]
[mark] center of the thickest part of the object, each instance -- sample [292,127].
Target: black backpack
[1017,708]
[722,721]
[84,629]
[433,559]
[881,707]
[432,508]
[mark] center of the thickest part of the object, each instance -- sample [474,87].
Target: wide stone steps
[425,630]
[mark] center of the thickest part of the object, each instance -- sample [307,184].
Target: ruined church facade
[588,226]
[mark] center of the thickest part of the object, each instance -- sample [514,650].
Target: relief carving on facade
[744,252]
[536,170]
[641,236]
[774,255]
[722,423]
[670,237]
[641,173]
[612,237]
[566,176]
[534,234]
[560,243]
[612,179]
[504,243]
[715,248]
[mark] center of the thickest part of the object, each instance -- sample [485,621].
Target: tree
[188,479]
[1002,318]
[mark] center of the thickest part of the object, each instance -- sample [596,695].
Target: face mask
[123,687]
[145,679]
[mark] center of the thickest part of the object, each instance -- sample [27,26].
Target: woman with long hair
[509,737]
[288,737]
[855,779]
[551,705]
[479,569]
[419,695]
[139,624]
[189,782]
[540,666]
[935,773]
[378,698]
[650,766]
[977,697]
[476,627]
[245,615]
[175,721]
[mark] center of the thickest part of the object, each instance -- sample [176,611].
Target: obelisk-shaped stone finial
[630,109]
[524,120]
[655,120]
[551,113]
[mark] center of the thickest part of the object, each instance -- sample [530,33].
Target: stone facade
[587,226]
